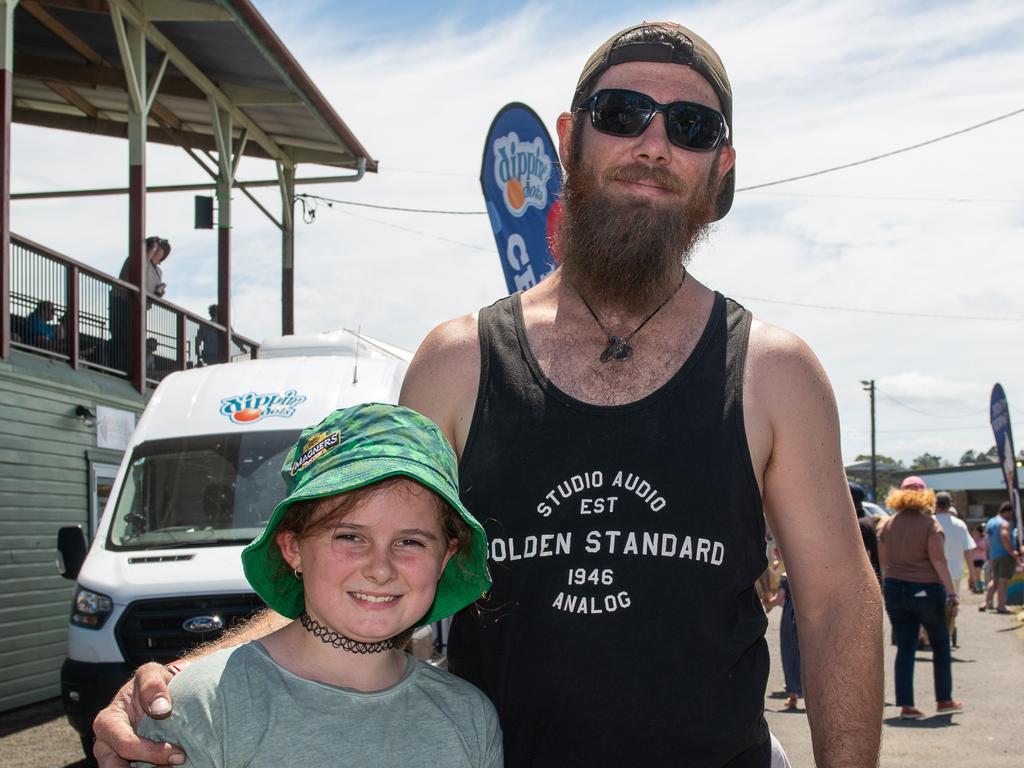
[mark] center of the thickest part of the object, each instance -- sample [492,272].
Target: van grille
[151,630]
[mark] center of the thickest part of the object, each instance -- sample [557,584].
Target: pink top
[981,547]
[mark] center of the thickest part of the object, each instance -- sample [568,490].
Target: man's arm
[1007,540]
[146,694]
[444,376]
[808,506]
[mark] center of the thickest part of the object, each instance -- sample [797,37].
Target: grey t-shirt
[238,707]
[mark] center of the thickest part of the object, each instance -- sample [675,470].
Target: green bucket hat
[352,448]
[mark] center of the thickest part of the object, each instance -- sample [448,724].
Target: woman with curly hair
[917,587]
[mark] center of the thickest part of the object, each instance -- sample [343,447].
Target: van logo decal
[250,407]
[201,624]
[315,448]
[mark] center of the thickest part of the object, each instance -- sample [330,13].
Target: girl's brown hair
[314,516]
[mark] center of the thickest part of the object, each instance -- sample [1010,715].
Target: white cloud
[815,85]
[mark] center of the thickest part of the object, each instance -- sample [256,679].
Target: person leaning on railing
[157,250]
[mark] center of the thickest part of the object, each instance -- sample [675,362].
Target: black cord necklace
[329,636]
[618,347]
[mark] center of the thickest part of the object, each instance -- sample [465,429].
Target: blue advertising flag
[1000,413]
[521,181]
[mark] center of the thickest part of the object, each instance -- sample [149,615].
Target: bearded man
[623,433]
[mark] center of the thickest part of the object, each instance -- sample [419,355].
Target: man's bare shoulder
[777,357]
[443,376]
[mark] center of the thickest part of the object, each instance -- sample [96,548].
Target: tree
[926,461]
[969,458]
[881,459]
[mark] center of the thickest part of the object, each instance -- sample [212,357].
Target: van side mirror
[72,549]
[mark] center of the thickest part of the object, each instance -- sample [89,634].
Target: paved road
[988,674]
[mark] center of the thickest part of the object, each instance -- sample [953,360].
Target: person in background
[789,641]
[958,545]
[208,341]
[39,325]
[119,306]
[1003,557]
[979,560]
[868,533]
[917,588]
[157,251]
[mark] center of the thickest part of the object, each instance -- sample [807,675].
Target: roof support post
[6,106]
[286,181]
[222,133]
[131,42]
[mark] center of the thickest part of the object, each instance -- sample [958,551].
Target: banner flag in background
[1000,411]
[522,181]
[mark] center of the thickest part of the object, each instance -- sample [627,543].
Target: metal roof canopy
[68,74]
[210,76]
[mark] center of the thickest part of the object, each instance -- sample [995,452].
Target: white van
[198,482]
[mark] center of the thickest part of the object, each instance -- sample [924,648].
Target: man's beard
[628,253]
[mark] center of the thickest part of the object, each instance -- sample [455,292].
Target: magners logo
[315,447]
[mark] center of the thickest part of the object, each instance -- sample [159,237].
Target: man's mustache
[655,175]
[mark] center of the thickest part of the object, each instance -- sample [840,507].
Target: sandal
[984,607]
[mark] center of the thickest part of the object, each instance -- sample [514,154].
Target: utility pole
[869,387]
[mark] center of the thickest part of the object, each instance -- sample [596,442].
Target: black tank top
[623,628]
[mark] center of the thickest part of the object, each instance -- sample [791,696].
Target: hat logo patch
[251,407]
[315,448]
[522,170]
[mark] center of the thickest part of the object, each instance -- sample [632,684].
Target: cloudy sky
[906,270]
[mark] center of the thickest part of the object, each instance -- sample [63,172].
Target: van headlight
[90,609]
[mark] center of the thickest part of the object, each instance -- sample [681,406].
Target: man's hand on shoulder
[116,739]
[443,378]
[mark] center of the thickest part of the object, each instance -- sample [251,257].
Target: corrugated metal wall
[44,484]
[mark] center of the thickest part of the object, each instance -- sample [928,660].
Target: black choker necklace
[329,636]
[618,347]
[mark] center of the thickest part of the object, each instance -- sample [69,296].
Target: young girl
[788,640]
[371,540]
[978,558]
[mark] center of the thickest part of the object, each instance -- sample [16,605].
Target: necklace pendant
[618,348]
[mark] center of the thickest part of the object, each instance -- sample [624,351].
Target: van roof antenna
[355,367]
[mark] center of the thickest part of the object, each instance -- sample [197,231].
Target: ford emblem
[201,624]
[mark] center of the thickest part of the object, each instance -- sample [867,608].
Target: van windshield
[201,490]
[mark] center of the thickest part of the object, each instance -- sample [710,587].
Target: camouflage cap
[671,43]
[353,448]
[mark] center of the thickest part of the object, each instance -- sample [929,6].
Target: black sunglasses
[619,112]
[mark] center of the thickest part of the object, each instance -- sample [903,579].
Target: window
[201,490]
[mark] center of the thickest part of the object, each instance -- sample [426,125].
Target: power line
[331,201]
[926,413]
[899,431]
[417,232]
[898,313]
[896,198]
[866,160]
[751,187]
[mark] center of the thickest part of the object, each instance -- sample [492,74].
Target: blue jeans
[911,606]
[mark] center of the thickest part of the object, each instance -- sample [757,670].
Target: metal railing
[67,310]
